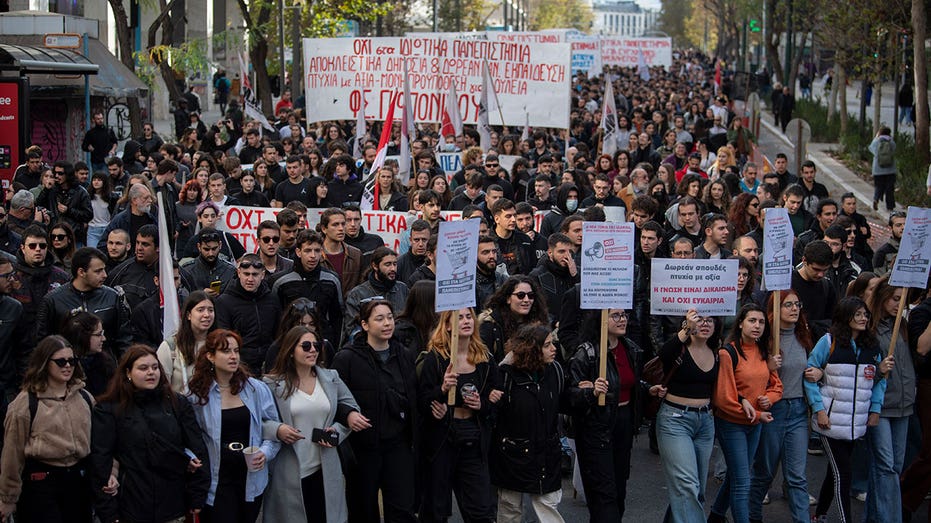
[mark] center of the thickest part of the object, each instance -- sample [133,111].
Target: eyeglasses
[8,275]
[311,345]
[706,321]
[521,295]
[792,305]
[59,237]
[37,246]
[58,173]
[209,237]
[270,239]
[97,334]
[618,317]
[64,362]
[251,265]
[862,315]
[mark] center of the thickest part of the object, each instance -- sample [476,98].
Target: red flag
[717,77]
[370,190]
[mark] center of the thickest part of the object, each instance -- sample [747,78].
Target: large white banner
[586,54]
[348,74]
[709,286]
[914,259]
[777,250]
[624,51]
[456,257]
[607,265]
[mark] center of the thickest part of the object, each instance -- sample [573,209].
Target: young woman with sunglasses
[456,438]
[518,302]
[307,481]
[63,244]
[381,376]
[152,433]
[848,398]
[605,434]
[47,436]
[684,423]
[231,407]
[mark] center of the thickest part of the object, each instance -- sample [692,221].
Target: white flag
[609,121]
[250,105]
[408,130]
[360,131]
[525,134]
[642,68]
[484,129]
[171,312]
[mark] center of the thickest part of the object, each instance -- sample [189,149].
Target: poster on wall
[14,117]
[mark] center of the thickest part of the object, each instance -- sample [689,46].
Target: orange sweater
[751,380]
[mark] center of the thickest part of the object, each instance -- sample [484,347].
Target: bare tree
[920,32]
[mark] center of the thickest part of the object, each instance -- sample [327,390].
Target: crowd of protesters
[312,380]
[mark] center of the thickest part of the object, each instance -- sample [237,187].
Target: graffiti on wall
[49,128]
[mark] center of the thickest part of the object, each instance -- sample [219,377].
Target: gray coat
[283,499]
[899,400]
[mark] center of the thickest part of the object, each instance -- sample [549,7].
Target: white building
[622,18]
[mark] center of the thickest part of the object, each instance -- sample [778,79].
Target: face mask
[449,147]
[572,205]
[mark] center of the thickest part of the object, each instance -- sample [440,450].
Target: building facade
[622,18]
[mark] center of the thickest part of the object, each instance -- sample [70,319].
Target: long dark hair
[36,378]
[526,347]
[802,332]
[293,315]
[285,369]
[498,302]
[880,296]
[736,335]
[184,338]
[418,309]
[204,371]
[121,390]
[78,328]
[842,334]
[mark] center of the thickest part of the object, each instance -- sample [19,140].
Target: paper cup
[251,454]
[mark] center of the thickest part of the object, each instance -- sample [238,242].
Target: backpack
[885,154]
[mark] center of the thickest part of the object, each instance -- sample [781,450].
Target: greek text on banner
[708,286]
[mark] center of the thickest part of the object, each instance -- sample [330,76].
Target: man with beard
[639,183]
[842,270]
[885,255]
[716,239]
[556,273]
[135,276]
[381,282]
[602,195]
[118,248]
[133,218]
[415,256]
[207,271]
[249,307]
[35,276]
[747,247]
[100,141]
[525,221]
[343,259]
[542,199]
[488,278]
[268,234]
[824,217]
[87,292]
[515,249]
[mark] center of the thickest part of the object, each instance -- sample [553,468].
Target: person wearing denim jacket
[218,385]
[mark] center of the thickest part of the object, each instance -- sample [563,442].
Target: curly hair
[708,200]
[526,347]
[498,302]
[441,340]
[205,372]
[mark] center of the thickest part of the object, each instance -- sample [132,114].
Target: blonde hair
[442,338]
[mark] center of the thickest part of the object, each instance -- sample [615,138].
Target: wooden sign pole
[453,356]
[777,313]
[603,353]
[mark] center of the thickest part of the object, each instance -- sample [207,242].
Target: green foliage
[673,18]
[913,171]
[462,15]
[188,58]
[558,14]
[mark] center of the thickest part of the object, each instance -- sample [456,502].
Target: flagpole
[495,92]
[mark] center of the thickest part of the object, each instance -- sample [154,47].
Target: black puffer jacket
[554,280]
[105,303]
[146,440]
[526,452]
[197,274]
[136,279]
[254,315]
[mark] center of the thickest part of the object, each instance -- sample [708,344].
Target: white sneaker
[812,501]
[861,497]
[766,499]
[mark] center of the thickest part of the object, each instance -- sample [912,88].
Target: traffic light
[755,26]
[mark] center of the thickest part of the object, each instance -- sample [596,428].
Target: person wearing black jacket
[36,275]
[356,236]
[556,273]
[456,438]
[380,374]
[88,293]
[67,200]
[249,307]
[147,428]
[604,434]
[135,276]
[487,277]
[345,186]
[148,318]
[100,141]
[525,451]
[567,203]
[515,248]
[11,335]
[204,271]
[417,254]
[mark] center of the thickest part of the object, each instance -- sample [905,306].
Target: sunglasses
[270,239]
[304,307]
[207,238]
[64,362]
[59,237]
[37,246]
[251,265]
[491,165]
[308,346]
[521,295]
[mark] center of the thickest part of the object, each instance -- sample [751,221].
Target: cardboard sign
[709,286]
[451,163]
[777,249]
[914,259]
[456,257]
[607,265]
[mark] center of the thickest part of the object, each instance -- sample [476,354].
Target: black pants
[314,497]
[230,506]
[461,467]
[837,479]
[54,494]
[390,468]
[605,470]
[884,188]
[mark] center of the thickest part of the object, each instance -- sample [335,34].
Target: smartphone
[215,286]
[319,435]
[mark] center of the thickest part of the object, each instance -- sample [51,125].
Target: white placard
[709,286]
[451,163]
[616,214]
[507,161]
[777,249]
[346,74]
[914,259]
[456,257]
[586,54]
[607,265]
[624,51]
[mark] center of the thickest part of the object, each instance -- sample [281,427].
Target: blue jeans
[738,443]
[94,233]
[785,439]
[685,440]
[887,452]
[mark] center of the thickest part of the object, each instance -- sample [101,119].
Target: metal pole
[297,53]
[281,46]
[435,16]
[87,97]
[895,94]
